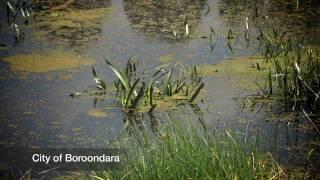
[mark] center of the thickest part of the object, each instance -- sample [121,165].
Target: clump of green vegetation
[295,70]
[164,82]
[187,153]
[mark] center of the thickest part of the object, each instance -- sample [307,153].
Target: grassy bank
[186,153]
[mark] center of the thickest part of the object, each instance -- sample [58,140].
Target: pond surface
[37,111]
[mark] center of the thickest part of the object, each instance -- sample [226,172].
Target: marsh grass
[180,152]
[295,70]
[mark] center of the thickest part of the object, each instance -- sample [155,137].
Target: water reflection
[165,19]
[145,127]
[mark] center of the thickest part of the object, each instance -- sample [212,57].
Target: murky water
[37,111]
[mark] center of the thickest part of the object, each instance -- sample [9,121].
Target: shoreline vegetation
[184,152]
[294,70]
[179,150]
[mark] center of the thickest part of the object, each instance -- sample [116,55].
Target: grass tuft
[187,153]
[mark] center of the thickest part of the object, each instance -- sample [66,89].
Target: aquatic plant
[212,38]
[127,91]
[246,36]
[14,11]
[163,81]
[295,69]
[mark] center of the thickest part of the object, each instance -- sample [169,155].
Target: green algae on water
[46,62]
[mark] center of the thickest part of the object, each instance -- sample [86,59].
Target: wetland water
[38,74]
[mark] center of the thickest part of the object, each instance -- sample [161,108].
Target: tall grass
[187,153]
[295,69]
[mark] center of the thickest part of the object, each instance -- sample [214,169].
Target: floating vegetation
[97,113]
[295,69]
[178,21]
[75,28]
[166,58]
[46,62]
[166,86]
[241,72]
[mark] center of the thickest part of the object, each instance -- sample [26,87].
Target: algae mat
[75,29]
[242,72]
[46,62]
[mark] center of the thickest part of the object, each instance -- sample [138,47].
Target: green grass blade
[128,99]
[196,93]
[123,80]
[165,89]
[230,47]
[12,9]
[138,97]
[150,92]
[94,72]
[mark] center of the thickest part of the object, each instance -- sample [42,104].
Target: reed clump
[294,71]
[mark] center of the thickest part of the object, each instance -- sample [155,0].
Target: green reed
[295,69]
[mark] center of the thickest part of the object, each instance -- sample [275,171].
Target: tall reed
[295,69]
